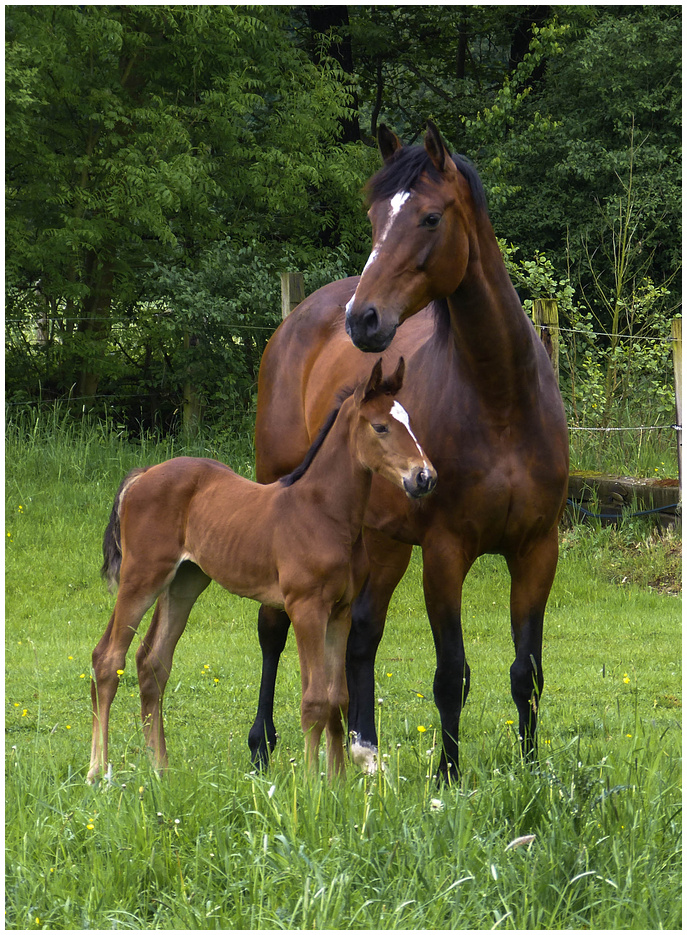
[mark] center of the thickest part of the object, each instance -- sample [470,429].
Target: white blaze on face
[400,414]
[395,205]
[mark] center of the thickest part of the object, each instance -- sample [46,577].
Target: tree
[135,146]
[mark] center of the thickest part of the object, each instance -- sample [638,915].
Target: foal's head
[423,206]
[385,442]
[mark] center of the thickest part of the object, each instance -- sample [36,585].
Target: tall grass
[215,845]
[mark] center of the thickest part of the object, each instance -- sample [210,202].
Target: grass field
[213,845]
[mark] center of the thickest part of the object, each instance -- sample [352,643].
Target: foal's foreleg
[338,629]
[154,655]
[309,620]
[531,579]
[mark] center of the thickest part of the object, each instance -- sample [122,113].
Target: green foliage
[135,148]
[157,182]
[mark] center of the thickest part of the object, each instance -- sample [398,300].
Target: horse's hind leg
[273,628]
[388,561]
[531,579]
[108,661]
[154,655]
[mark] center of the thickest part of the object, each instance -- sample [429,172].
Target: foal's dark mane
[402,172]
[288,479]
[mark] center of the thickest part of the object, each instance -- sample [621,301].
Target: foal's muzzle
[420,483]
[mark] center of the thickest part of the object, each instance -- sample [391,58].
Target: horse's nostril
[370,320]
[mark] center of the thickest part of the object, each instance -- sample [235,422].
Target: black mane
[402,172]
[288,479]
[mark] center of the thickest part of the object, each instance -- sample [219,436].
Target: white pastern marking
[364,755]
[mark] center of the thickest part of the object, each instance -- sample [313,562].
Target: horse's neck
[491,333]
[336,479]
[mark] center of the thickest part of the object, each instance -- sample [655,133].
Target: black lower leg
[273,628]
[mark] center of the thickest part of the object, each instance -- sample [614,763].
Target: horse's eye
[380,429]
[431,221]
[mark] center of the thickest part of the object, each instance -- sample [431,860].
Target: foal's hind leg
[133,600]
[273,628]
[154,655]
[531,579]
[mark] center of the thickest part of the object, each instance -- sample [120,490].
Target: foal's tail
[112,542]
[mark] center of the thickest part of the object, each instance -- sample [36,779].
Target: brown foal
[295,544]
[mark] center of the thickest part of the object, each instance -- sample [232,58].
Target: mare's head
[384,440]
[423,205]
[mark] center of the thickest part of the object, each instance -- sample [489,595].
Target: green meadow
[589,838]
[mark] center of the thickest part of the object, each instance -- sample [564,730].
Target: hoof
[365,755]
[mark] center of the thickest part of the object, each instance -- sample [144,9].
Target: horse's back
[308,362]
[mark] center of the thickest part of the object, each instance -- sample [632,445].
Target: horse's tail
[112,541]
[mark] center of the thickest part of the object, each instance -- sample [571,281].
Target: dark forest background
[165,163]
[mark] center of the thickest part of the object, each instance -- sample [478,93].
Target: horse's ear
[388,142]
[395,381]
[366,391]
[435,147]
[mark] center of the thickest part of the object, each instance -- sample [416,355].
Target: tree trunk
[93,328]
[332,22]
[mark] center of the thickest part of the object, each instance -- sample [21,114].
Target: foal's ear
[395,381]
[366,391]
[436,149]
[388,142]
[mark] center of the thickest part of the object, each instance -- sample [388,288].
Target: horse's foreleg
[273,628]
[156,652]
[388,561]
[444,568]
[531,578]
[108,662]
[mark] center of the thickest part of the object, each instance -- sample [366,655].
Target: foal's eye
[380,429]
[431,221]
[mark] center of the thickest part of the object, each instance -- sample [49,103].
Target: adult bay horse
[295,544]
[487,411]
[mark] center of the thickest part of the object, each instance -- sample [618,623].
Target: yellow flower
[71,658]
[68,726]
[21,508]
[83,675]
[626,679]
[25,712]
[90,827]
[421,728]
[215,681]
[509,722]
[388,675]
[120,671]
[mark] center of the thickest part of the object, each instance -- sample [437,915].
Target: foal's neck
[336,478]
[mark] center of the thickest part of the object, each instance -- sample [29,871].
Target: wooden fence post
[676,331]
[292,292]
[191,405]
[545,317]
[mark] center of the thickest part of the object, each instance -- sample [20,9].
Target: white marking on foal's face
[400,414]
